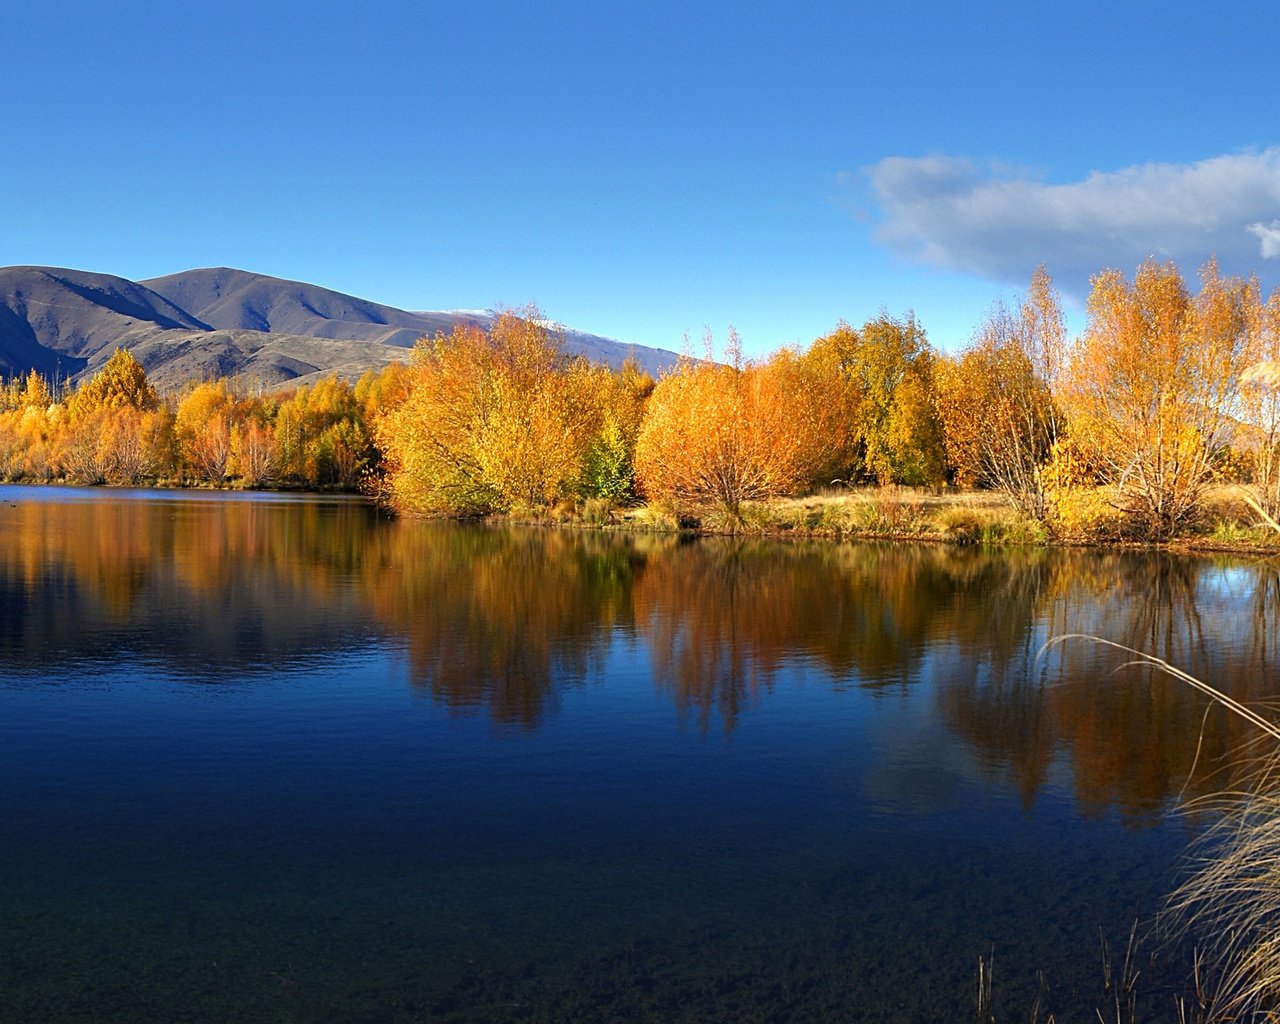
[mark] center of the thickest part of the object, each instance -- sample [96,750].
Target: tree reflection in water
[503,620]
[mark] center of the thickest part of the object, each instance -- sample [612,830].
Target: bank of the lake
[930,516]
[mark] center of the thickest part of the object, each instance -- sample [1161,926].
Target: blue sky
[644,169]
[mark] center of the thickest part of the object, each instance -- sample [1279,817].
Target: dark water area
[275,758]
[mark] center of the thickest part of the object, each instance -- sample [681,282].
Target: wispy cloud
[999,222]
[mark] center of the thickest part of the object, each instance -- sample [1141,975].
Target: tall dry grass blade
[1140,658]
[1253,503]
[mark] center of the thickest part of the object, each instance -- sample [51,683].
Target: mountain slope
[209,323]
[58,321]
[229,299]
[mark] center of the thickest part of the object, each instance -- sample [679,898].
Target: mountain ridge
[220,321]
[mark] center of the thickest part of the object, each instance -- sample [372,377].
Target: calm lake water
[271,758]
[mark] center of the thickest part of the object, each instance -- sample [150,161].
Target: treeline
[115,428]
[1119,431]
[1122,429]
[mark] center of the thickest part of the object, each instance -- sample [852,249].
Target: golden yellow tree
[492,421]
[122,382]
[608,469]
[1152,383]
[1260,402]
[203,426]
[890,369]
[115,430]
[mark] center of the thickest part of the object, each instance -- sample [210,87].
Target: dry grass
[1233,899]
[1079,516]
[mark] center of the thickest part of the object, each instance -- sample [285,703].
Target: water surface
[281,759]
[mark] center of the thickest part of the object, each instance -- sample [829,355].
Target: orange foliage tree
[1152,384]
[996,399]
[716,436]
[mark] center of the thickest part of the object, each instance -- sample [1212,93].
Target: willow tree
[493,420]
[1152,383]
[997,403]
[717,436]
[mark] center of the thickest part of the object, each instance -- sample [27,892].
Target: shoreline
[892,515]
[957,518]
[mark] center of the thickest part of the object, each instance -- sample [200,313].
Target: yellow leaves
[203,426]
[120,383]
[998,411]
[35,393]
[1153,379]
[493,422]
[888,368]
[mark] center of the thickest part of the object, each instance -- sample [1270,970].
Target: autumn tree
[34,393]
[121,383]
[1151,385]
[890,369]
[717,436]
[1260,402]
[608,469]
[115,430]
[123,445]
[996,399]
[320,435]
[203,425]
[493,420]
[252,446]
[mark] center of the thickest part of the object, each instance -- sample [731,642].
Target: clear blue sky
[643,169]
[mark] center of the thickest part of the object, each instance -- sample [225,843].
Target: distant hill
[220,321]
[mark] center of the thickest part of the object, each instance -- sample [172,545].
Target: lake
[279,758]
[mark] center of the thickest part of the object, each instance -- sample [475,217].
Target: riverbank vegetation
[1156,424]
[116,429]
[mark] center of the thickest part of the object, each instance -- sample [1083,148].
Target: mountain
[230,300]
[57,321]
[224,322]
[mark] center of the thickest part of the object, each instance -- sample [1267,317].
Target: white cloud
[1269,235]
[1000,223]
